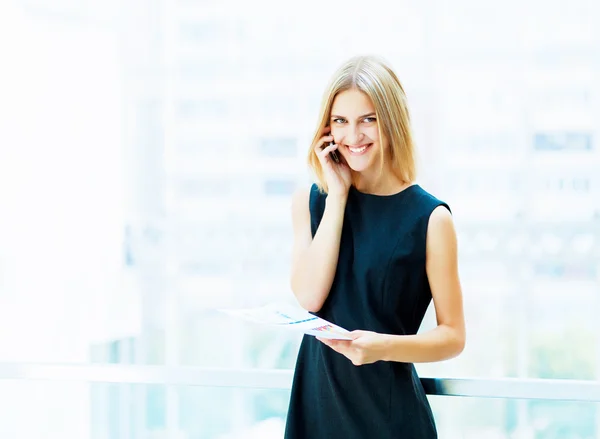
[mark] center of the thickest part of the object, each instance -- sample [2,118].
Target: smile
[358,150]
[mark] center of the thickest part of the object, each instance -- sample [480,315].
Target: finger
[343,343]
[322,141]
[334,347]
[339,344]
[328,341]
[327,150]
[354,334]
[331,343]
[325,341]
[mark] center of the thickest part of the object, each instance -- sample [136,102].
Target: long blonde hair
[375,78]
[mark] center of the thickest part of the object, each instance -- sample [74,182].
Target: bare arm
[314,260]
[447,340]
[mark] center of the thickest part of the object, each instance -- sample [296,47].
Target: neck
[376,183]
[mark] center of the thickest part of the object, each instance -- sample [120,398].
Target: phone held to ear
[333,154]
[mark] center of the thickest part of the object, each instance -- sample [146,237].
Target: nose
[354,135]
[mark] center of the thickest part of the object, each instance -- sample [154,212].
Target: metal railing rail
[511,388]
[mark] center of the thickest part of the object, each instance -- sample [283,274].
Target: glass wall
[149,149]
[123,411]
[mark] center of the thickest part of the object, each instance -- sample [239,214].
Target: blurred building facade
[219,104]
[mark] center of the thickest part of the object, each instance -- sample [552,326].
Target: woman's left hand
[365,347]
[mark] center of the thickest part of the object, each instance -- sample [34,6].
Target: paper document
[290,317]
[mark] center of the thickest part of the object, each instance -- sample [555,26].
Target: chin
[362,159]
[360,164]
[358,167]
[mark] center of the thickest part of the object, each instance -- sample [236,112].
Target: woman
[371,250]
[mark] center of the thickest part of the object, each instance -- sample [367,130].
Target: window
[581,184]
[201,32]
[209,109]
[567,184]
[195,69]
[204,187]
[278,147]
[563,141]
[279,187]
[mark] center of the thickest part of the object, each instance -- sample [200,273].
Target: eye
[369,119]
[339,120]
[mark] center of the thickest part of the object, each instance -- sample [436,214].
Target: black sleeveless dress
[380,285]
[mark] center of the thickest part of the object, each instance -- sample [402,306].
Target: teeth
[358,150]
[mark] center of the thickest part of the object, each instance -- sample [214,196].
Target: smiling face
[355,129]
[358,87]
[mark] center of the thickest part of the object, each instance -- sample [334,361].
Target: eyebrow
[359,117]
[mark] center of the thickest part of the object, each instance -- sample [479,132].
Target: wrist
[386,347]
[336,199]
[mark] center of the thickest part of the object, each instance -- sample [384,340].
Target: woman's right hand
[337,175]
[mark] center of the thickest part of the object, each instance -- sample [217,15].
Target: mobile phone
[333,154]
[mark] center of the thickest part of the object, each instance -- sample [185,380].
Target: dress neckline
[366,194]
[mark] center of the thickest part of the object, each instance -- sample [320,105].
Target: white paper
[287,316]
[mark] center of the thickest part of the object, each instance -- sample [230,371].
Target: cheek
[338,134]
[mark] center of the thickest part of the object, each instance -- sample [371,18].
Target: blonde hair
[375,78]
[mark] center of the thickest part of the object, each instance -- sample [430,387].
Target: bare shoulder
[441,234]
[441,217]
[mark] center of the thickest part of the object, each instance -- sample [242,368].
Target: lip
[364,145]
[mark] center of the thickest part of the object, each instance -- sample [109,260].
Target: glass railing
[121,401]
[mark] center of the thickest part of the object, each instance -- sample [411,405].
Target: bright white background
[148,150]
